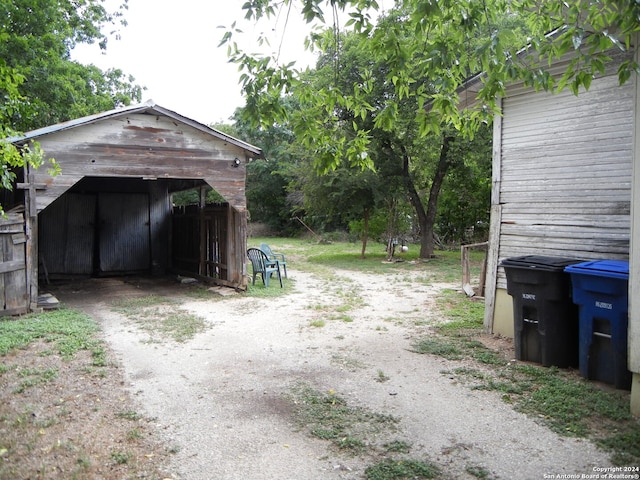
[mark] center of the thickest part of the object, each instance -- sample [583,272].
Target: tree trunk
[427,218]
[365,233]
[392,227]
[414,198]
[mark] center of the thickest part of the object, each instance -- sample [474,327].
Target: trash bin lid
[539,262]
[602,268]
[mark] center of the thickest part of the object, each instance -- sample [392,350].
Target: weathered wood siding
[237,248]
[563,180]
[634,260]
[14,298]
[141,145]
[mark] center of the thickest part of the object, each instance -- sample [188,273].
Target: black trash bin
[545,318]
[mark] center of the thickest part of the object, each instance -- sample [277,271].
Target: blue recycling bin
[545,328]
[601,291]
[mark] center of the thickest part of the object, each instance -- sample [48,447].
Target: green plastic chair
[278,257]
[261,264]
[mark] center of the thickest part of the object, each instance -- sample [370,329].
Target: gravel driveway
[223,400]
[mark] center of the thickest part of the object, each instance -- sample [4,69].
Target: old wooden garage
[109,211]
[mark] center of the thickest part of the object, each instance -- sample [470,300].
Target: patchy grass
[32,377]
[397,446]
[259,290]
[480,473]
[397,469]
[321,260]
[357,431]
[129,415]
[134,435]
[65,331]
[56,406]
[436,346]
[568,405]
[344,297]
[346,362]
[329,417]
[321,257]
[161,318]
[625,446]
[120,457]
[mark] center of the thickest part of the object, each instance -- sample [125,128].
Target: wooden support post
[243,274]
[466,270]
[464,254]
[202,266]
[31,231]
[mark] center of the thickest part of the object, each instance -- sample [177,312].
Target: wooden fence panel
[201,243]
[14,298]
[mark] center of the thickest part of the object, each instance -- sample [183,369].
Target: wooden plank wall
[237,248]
[564,183]
[142,146]
[14,298]
[634,272]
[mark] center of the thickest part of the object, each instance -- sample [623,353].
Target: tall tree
[451,39]
[36,42]
[463,212]
[399,154]
[39,83]
[268,178]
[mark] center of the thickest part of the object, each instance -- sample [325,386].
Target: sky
[171,48]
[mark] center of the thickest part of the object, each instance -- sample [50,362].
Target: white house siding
[564,171]
[634,270]
[564,183]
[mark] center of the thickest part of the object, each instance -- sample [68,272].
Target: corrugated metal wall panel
[81,216]
[565,182]
[52,236]
[67,235]
[124,232]
[160,225]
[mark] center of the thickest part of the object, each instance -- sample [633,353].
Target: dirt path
[223,399]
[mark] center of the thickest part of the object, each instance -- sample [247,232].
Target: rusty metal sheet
[123,232]
[66,235]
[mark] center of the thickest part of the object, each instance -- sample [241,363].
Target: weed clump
[401,469]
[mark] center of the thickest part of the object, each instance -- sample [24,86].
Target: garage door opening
[114,226]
